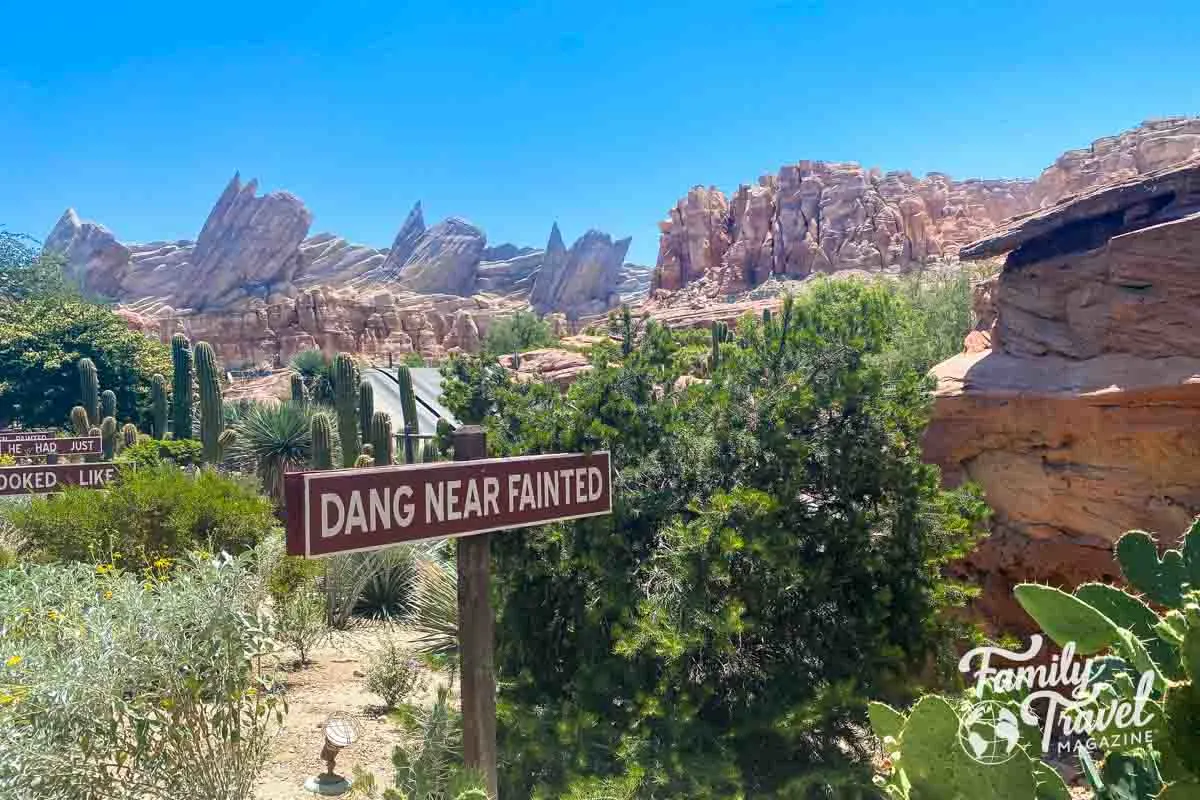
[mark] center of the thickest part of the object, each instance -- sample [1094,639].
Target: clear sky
[516,115]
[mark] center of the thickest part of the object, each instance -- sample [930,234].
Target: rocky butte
[1076,405]
[259,288]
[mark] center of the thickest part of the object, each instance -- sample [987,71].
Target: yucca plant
[314,368]
[434,616]
[272,439]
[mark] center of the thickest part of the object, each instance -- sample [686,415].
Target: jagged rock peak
[583,280]
[406,240]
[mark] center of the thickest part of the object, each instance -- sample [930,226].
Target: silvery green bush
[119,686]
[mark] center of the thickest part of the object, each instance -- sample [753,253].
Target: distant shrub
[151,452]
[151,512]
[522,331]
[301,622]
[393,672]
[290,575]
[112,687]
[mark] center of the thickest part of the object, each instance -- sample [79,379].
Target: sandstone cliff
[1077,403]
[814,216]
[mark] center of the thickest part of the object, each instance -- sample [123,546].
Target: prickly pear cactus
[89,390]
[108,403]
[345,401]
[322,441]
[212,409]
[181,387]
[79,421]
[381,438]
[925,759]
[158,407]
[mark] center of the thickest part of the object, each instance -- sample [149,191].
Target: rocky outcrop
[1082,419]
[815,216]
[254,250]
[581,281]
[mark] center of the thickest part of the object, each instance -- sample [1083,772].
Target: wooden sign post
[351,510]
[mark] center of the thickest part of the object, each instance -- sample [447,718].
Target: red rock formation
[1082,420]
[814,216]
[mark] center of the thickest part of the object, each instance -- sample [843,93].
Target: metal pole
[476,633]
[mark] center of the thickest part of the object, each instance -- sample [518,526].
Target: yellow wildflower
[53,615]
[13,661]
[108,595]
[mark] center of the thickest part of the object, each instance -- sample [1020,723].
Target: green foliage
[1164,580]
[926,760]
[430,768]
[89,390]
[273,439]
[321,433]
[153,511]
[934,314]
[393,673]
[181,393]
[108,436]
[118,687]
[43,338]
[158,406]
[212,411]
[345,388]
[773,558]
[151,452]
[382,443]
[522,331]
[1066,618]
[316,370]
[300,622]
[108,404]
[28,274]
[289,575]
[413,360]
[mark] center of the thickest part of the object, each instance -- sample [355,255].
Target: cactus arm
[366,406]
[1159,579]
[89,390]
[322,441]
[108,437]
[381,438]
[79,421]
[158,407]
[108,403]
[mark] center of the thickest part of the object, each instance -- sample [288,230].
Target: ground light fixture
[341,730]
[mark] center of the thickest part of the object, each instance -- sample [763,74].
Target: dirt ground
[333,682]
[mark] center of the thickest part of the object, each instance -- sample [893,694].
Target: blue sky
[514,116]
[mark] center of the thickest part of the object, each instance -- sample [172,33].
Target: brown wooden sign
[339,511]
[16,435]
[52,477]
[39,448]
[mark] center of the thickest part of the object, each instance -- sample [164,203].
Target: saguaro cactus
[129,435]
[225,442]
[766,316]
[428,452]
[95,431]
[79,421]
[345,400]
[322,441]
[299,393]
[626,330]
[181,387]
[381,438]
[89,389]
[720,332]
[408,404]
[108,436]
[212,411]
[158,407]
[108,403]
[366,407]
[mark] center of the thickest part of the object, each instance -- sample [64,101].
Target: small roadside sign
[42,479]
[39,448]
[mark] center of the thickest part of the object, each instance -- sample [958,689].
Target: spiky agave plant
[272,439]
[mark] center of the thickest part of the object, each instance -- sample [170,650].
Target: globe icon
[989,733]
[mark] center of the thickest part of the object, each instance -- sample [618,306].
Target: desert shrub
[291,574]
[429,763]
[118,688]
[151,512]
[301,623]
[151,452]
[772,561]
[393,672]
[522,331]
